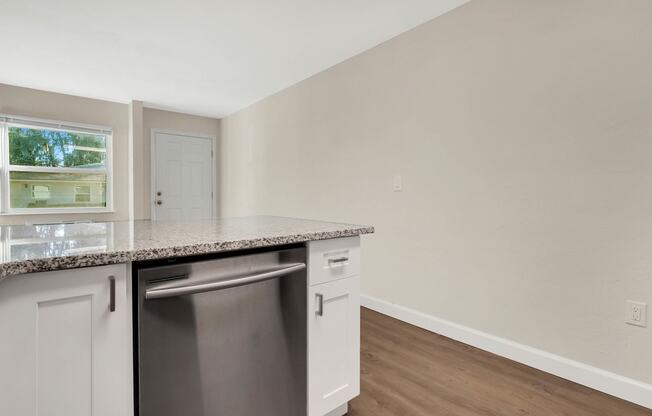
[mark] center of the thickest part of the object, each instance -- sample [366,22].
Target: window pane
[56,190]
[42,147]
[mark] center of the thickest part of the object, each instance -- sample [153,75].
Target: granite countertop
[37,248]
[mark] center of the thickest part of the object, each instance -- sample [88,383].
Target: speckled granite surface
[38,248]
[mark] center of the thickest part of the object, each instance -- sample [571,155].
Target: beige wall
[165,120]
[523,131]
[131,123]
[41,104]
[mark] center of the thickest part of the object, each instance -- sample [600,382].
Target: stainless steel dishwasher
[223,336]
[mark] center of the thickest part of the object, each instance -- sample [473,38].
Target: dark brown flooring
[409,371]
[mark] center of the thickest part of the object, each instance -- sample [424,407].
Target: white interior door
[183,177]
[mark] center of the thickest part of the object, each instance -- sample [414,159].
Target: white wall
[62,107]
[523,131]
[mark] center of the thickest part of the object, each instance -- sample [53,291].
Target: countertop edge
[76,261]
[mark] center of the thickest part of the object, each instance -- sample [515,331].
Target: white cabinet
[63,352]
[333,326]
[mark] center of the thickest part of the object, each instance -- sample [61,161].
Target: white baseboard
[593,377]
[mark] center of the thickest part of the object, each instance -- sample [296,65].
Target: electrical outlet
[636,313]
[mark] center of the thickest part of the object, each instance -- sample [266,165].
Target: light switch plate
[398,183]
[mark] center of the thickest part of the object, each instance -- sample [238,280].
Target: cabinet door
[333,344]
[63,352]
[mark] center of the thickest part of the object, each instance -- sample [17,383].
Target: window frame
[5,168]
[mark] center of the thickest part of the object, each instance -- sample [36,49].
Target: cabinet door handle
[111,293]
[320,304]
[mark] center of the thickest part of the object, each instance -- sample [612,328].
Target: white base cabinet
[69,354]
[64,352]
[333,325]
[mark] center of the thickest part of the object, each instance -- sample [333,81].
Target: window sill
[51,211]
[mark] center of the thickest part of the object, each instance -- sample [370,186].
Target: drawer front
[334,259]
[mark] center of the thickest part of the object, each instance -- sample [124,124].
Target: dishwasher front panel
[232,351]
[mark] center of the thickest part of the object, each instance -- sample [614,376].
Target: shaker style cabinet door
[333,344]
[64,346]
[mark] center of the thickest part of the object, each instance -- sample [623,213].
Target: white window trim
[5,168]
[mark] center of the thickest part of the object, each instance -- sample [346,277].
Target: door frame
[152,153]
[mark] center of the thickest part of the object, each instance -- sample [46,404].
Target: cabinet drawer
[334,259]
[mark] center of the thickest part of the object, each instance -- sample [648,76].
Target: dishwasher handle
[165,290]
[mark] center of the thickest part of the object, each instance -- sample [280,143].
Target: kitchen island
[68,314]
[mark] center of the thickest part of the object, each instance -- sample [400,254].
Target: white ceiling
[202,57]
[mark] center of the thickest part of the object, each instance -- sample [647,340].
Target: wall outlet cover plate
[636,313]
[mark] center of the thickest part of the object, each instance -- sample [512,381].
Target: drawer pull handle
[320,304]
[111,293]
[338,260]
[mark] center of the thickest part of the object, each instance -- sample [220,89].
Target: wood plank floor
[409,371]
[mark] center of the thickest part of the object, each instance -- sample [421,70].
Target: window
[53,167]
